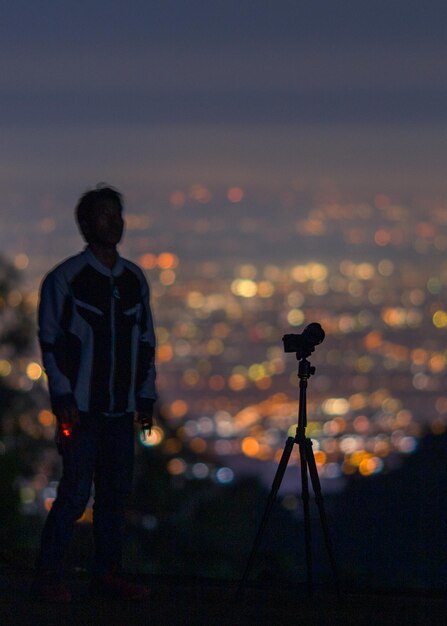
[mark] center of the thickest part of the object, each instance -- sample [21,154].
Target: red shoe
[114,586]
[49,591]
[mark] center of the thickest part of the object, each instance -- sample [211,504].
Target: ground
[214,602]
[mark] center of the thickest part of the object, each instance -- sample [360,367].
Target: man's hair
[91,201]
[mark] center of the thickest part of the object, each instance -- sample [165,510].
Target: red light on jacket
[66,431]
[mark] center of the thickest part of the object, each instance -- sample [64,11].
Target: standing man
[97,339]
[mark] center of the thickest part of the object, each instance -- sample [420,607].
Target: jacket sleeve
[146,392]
[54,300]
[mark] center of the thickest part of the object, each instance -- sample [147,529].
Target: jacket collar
[93,261]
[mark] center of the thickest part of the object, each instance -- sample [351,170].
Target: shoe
[114,586]
[51,591]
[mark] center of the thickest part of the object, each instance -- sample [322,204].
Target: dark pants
[99,450]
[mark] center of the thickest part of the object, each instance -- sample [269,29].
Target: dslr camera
[304,344]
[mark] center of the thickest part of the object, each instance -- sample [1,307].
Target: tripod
[307,461]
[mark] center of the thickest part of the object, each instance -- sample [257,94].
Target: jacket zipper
[113,337]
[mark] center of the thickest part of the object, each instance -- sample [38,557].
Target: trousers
[99,451]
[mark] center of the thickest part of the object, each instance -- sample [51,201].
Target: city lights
[228,391]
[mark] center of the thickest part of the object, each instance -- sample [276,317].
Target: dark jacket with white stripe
[97,336]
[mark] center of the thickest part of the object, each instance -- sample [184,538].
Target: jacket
[97,336]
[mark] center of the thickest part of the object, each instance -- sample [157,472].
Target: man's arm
[146,392]
[53,303]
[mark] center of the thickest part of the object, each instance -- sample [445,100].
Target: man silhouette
[97,339]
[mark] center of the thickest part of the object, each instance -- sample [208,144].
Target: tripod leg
[270,501]
[320,504]
[306,513]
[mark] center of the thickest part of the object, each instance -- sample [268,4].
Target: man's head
[99,216]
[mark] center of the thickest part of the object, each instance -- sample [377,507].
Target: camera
[304,344]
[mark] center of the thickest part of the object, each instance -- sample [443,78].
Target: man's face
[106,226]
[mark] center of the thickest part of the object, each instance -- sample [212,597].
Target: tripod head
[305,369]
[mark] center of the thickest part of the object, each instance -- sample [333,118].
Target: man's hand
[146,420]
[67,418]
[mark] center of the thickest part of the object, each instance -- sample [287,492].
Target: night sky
[170,92]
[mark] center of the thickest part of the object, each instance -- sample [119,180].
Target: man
[97,340]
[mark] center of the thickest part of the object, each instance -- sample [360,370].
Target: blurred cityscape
[231,271]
